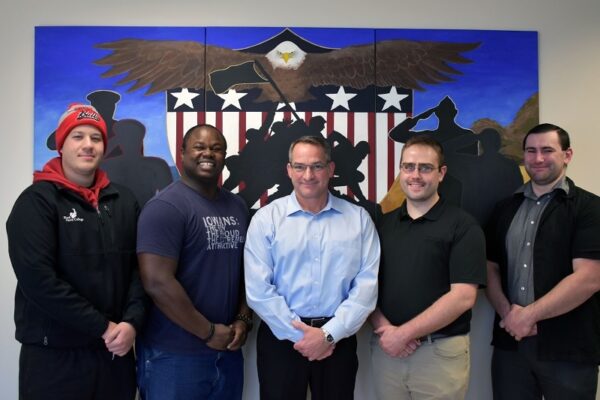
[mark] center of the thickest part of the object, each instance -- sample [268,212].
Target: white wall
[569,35]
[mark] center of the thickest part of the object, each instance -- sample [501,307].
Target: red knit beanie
[79,114]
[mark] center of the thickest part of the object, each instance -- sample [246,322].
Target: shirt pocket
[345,257]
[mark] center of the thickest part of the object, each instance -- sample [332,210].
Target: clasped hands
[228,337]
[313,345]
[394,342]
[519,322]
[119,338]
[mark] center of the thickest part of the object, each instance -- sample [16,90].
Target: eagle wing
[352,66]
[401,63]
[165,64]
[168,64]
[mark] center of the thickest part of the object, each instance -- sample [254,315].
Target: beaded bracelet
[211,333]
[246,319]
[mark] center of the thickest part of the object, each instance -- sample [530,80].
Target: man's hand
[394,342]
[240,334]
[222,337]
[519,322]
[377,319]
[313,345]
[109,328]
[119,338]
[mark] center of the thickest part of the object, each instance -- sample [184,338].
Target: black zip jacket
[76,266]
[568,229]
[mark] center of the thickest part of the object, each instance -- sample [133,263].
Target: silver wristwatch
[328,338]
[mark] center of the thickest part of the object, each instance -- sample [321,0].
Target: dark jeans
[519,375]
[75,374]
[283,373]
[169,376]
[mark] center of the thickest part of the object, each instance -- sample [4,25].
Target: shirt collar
[527,190]
[433,214]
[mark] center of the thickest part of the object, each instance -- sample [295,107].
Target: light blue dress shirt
[300,264]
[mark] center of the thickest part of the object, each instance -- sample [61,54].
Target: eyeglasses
[422,168]
[316,167]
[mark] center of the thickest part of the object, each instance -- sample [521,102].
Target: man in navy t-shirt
[190,244]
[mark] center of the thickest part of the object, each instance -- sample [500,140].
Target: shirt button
[528,243]
[523,288]
[524,265]
[532,222]
[538,203]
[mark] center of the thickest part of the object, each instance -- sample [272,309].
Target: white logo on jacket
[72,217]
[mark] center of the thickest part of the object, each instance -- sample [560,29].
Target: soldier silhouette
[143,175]
[447,129]
[495,176]
[348,158]
[250,169]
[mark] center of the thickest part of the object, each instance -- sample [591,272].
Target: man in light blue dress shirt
[311,265]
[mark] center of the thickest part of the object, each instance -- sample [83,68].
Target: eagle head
[286,55]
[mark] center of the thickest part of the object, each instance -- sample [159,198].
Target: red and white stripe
[380,167]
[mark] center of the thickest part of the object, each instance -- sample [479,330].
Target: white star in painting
[341,98]
[282,105]
[392,99]
[185,97]
[231,98]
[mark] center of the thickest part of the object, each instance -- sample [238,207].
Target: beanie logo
[72,217]
[87,114]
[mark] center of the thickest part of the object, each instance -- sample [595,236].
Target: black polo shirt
[420,258]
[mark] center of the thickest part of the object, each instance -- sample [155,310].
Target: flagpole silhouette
[279,92]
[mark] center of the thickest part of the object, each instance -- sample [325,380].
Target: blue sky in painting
[502,76]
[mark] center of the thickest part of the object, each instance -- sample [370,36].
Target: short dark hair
[318,141]
[563,136]
[428,141]
[200,126]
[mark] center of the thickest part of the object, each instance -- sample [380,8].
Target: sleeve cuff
[335,329]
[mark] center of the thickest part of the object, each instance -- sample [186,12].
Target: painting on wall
[366,90]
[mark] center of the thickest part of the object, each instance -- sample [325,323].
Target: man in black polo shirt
[432,262]
[543,277]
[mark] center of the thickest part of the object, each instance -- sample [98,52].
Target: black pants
[284,373]
[519,375]
[75,374]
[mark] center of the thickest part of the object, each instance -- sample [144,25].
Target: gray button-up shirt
[520,241]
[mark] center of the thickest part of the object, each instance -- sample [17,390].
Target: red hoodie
[53,172]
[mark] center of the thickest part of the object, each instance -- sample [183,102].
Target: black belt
[433,337]
[316,322]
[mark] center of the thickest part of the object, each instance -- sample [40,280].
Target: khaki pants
[438,370]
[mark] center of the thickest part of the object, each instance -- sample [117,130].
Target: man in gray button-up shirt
[543,275]
[519,242]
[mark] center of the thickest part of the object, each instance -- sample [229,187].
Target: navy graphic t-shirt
[206,237]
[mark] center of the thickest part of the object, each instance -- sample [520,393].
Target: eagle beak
[285,56]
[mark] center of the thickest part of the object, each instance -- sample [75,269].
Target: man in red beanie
[79,301]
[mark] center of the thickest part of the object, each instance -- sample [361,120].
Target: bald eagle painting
[365,90]
[159,65]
